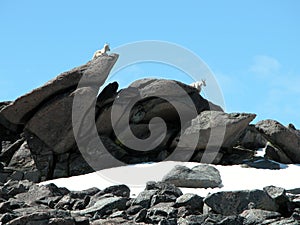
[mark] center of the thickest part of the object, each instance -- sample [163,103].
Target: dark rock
[81,220]
[237,201]
[286,139]
[276,154]
[8,153]
[66,202]
[141,216]
[144,198]
[236,155]
[178,91]
[201,176]
[161,211]
[281,199]
[6,217]
[81,204]
[258,216]
[61,221]
[252,139]
[103,206]
[218,129]
[134,209]
[191,201]
[36,193]
[4,207]
[41,218]
[22,160]
[158,198]
[12,188]
[206,219]
[117,190]
[82,194]
[199,156]
[42,154]
[262,163]
[232,220]
[164,188]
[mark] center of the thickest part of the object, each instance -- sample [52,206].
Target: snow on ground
[135,177]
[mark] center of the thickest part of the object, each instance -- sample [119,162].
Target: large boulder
[235,202]
[214,130]
[22,109]
[201,176]
[164,94]
[288,140]
[46,114]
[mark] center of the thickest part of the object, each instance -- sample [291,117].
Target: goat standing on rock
[102,51]
[198,85]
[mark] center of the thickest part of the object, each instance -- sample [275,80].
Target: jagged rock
[288,140]
[191,201]
[238,201]
[161,211]
[252,139]
[210,126]
[117,190]
[82,194]
[19,111]
[236,155]
[281,199]
[201,176]
[144,198]
[276,154]
[11,188]
[8,153]
[103,206]
[258,216]
[36,193]
[207,219]
[262,163]
[141,216]
[164,188]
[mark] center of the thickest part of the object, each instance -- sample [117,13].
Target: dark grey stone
[201,176]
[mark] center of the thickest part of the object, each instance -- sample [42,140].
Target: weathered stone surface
[8,153]
[144,198]
[161,211]
[191,201]
[252,139]
[238,201]
[22,109]
[211,126]
[168,88]
[117,190]
[276,154]
[258,216]
[201,176]
[36,193]
[102,206]
[288,140]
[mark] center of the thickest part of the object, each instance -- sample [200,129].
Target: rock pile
[160,203]
[37,127]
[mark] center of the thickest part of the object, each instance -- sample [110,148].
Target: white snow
[135,176]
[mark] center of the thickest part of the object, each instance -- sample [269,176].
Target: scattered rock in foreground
[201,176]
[160,203]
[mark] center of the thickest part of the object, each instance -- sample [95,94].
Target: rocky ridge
[38,144]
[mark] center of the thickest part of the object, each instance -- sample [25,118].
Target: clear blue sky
[251,46]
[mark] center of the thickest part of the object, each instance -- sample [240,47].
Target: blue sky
[252,47]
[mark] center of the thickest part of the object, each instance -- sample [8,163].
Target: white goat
[198,85]
[102,51]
